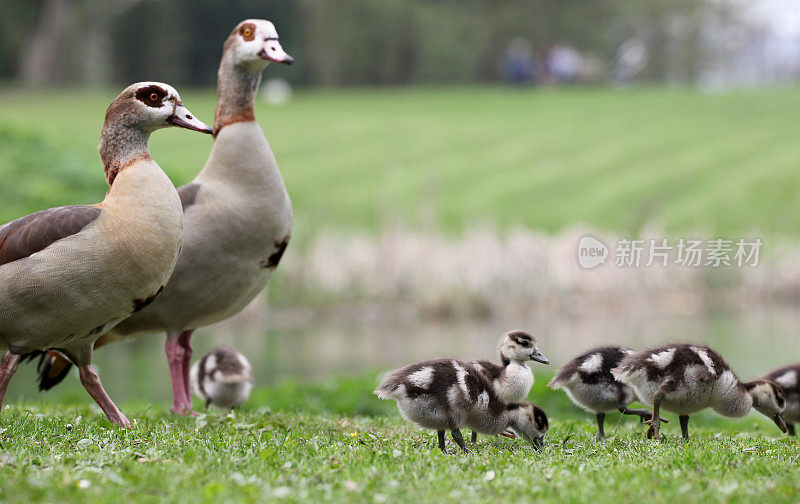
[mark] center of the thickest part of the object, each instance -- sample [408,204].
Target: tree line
[341,42]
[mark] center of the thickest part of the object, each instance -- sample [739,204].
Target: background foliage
[354,42]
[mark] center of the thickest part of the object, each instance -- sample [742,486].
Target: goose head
[254,44]
[521,346]
[148,106]
[529,422]
[769,400]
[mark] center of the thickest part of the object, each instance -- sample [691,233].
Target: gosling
[222,378]
[686,378]
[788,377]
[588,381]
[512,379]
[446,394]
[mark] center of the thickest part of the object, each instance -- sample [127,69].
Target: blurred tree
[95,47]
[353,42]
[41,53]
[17,23]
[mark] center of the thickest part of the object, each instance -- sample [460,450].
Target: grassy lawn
[547,159]
[336,442]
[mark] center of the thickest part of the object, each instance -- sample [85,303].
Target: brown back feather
[37,231]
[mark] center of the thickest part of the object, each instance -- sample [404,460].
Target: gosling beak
[536,442]
[273,51]
[184,119]
[538,357]
[778,419]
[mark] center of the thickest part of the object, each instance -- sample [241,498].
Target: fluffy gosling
[446,394]
[686,378]
[512,379]
[588,381]
[222,378]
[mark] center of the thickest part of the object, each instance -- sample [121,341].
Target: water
[307,346]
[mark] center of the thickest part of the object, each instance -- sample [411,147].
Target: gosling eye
[526,344]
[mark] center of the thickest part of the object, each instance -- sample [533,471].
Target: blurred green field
[678,159]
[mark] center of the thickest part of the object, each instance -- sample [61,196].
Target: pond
[308,346]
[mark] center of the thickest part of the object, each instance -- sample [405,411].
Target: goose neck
[120,146]
[237,86]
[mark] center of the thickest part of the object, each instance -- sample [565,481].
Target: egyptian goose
[69,274]
[588,381]
[238,218]
[512,379]
[222,378]
[686,378]
[788,378]
[446,394]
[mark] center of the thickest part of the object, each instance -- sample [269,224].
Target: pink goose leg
[175,356]
[185,340]
[91,382]
[8,366]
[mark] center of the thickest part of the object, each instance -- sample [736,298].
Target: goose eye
[248,32]
[154,96]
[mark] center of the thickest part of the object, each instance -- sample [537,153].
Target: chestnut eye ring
[154,96]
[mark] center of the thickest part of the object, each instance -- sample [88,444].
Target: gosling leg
[474,437]
[655,422]
[643,414]
[441,440]
[790,429]
[459,440]
[684,426]
[601,420]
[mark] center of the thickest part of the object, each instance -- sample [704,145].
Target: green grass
[337,442]
[547,159]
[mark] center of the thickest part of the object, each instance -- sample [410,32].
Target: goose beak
[184,119]
[273,51]
[778,419]
[538,357]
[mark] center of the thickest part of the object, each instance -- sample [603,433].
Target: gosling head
[253,44]
[148,106]
[520,346]
[769,400]
[529,422]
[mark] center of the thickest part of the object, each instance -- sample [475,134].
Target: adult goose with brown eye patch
[788,378]
[69,274]
[512,379]
[238,219]
[588,381]
[446,394]
[685,378]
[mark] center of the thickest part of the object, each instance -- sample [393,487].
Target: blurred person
[564,63]
[519,63]
[632,57]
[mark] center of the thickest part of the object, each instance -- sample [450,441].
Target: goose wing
[37,231]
